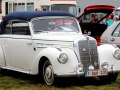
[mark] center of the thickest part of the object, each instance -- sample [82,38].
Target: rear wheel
[110,78]
[48,73]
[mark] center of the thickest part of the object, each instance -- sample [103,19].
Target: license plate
[96,73]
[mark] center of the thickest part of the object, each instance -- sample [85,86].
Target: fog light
[105,65]
[91,67]
[63,58]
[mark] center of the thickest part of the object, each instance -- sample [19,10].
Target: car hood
[58,36]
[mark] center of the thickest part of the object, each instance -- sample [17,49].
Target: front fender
[106,55]
[52,54]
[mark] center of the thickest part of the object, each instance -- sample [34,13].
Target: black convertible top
[28,15]
[32,14]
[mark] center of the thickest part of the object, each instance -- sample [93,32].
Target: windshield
[70,8]
[55,25]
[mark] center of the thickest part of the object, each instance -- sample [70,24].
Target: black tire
[110,78]
[113,76]
[1,70]
[48,73]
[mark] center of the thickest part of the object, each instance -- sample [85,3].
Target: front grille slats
[88,54]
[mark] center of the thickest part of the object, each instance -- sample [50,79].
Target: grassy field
[17,81]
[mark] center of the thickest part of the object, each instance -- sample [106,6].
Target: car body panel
[110,37]
[107,58]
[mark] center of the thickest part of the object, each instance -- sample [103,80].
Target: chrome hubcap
[49,74]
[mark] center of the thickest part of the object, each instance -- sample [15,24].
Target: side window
[20,28]
[116,32]
[8,28]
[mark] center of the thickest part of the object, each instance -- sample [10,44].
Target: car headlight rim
[80,67]
[63,58]
[105,65]
[116,54]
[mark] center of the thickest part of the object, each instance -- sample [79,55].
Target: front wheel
[48,73]
[110,78]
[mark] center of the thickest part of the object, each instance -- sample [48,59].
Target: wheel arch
[41,63]
[42,57]
[46,72]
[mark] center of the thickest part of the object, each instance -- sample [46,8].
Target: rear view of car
[95,28]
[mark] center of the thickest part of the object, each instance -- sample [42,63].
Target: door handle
[29,43]
[112,39]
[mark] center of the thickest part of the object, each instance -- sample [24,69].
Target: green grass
[17,81]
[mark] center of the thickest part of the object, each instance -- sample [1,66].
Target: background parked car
[112,34]
[96,28]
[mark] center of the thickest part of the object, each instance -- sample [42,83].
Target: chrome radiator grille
[88,54]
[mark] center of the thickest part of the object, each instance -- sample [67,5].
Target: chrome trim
[81,74]
[89,49]
[76,47]
[86,50]
[69,75]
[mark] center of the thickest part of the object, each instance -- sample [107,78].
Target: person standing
[109,20]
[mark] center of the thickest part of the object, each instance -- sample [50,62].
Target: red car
[95,29]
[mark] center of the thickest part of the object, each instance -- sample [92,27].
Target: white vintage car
[51,45]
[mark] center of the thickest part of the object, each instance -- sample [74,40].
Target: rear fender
[2,59]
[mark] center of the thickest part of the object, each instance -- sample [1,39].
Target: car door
[21,49]
[115,36]
[5,44]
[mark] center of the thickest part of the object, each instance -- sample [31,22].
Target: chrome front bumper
[80,74]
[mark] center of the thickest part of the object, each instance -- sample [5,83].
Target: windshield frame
[59,17]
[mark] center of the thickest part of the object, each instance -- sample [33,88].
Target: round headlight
[63,58]
[116,54]
[105,65]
